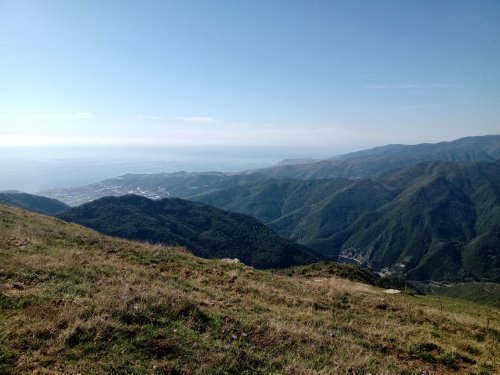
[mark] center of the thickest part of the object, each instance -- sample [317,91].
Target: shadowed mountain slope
[35,203]
[207,231]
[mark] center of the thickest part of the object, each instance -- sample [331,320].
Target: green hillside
[435,220]
[35,203]
[74,301]
[206,231]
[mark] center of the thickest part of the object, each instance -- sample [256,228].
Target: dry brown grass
[75,301]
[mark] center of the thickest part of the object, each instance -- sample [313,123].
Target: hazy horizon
[33,169]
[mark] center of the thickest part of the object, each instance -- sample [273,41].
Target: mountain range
[366,163]
[435,220]
[378,160]
[425,212]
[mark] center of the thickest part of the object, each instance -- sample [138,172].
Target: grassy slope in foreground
[72,300]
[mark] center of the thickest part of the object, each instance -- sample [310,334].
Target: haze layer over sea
[32,169]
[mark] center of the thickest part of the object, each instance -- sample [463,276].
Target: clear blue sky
[331,74]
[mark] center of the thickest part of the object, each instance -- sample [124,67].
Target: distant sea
[32,169]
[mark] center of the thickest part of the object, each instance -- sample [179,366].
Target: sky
[329,75]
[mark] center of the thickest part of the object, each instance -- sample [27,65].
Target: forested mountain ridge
[207,231]
[436,220]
